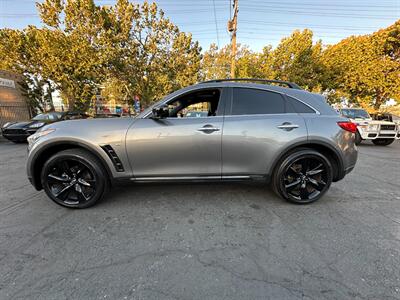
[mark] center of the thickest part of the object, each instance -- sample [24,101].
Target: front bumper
[367,134]
[17,135]
[380,135]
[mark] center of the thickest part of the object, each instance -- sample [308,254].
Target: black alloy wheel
[74,178]
[303,176]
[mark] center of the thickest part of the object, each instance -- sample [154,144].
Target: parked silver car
[252,131]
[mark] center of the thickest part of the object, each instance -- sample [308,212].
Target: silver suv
[242,131]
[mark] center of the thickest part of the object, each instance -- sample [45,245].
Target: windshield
[44,117]
[355,113]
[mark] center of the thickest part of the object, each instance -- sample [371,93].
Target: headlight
[34,137]
[7,124]
[373,127]
[37,125]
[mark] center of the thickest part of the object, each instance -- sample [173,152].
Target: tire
[383,142]
[296,178]
[358,138]
[74,178]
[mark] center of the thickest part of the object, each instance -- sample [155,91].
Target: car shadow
[204,192]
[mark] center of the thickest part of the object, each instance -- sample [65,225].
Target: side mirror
[160,112]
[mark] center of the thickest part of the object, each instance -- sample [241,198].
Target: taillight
[348,126]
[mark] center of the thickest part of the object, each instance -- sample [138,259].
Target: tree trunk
[50,90]
[378,100]
[71,103]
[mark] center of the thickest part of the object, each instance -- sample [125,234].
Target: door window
[198,104]
[253,101]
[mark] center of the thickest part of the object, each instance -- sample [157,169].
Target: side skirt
[228,178]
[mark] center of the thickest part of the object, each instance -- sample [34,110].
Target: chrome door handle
[208,129]
[287,126]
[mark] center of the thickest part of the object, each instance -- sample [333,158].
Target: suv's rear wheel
[74,178]
[383,142]
[303,176]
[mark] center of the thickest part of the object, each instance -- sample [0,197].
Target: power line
[293,12]
[320,4]
[216,23]
[280,24]
[302,7]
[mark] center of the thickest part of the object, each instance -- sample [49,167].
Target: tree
[165,59]
[15,56]
[297,59]
[68,50]
[216,62]
[38,92]
[365,68]
[83,45]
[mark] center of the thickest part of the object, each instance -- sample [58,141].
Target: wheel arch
[49,150]
[325,148]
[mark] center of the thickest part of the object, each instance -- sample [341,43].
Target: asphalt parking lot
[202,241]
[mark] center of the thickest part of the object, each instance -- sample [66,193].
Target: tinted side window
[296,106]
[253,101]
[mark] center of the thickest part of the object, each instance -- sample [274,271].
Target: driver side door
[177,147]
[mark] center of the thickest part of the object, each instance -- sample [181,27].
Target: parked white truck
[381,133]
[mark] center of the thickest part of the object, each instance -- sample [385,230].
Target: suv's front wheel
[303,176]
[74,178]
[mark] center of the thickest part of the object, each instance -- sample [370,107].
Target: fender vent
[114,158]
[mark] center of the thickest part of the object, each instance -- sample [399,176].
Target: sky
[260,23]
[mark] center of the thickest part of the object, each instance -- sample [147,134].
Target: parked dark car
[19,131]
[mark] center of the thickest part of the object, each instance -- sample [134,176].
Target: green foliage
[362,69]
[216,63]
[366,69]
[38,93]
[130,49]
[295,59]
[83,45]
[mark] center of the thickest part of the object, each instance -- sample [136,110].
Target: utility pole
[232,27]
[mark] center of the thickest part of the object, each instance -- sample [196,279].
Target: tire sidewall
[358,139]
[287,161]
[90,163]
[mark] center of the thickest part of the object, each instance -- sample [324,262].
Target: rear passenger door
[258,125]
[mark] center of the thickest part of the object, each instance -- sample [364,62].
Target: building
[13,104]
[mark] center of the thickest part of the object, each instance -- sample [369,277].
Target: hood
[19,125]
[93,125]
[375,122]
[370,121]
[94,131]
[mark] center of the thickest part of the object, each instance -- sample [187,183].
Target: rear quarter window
[295,105]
